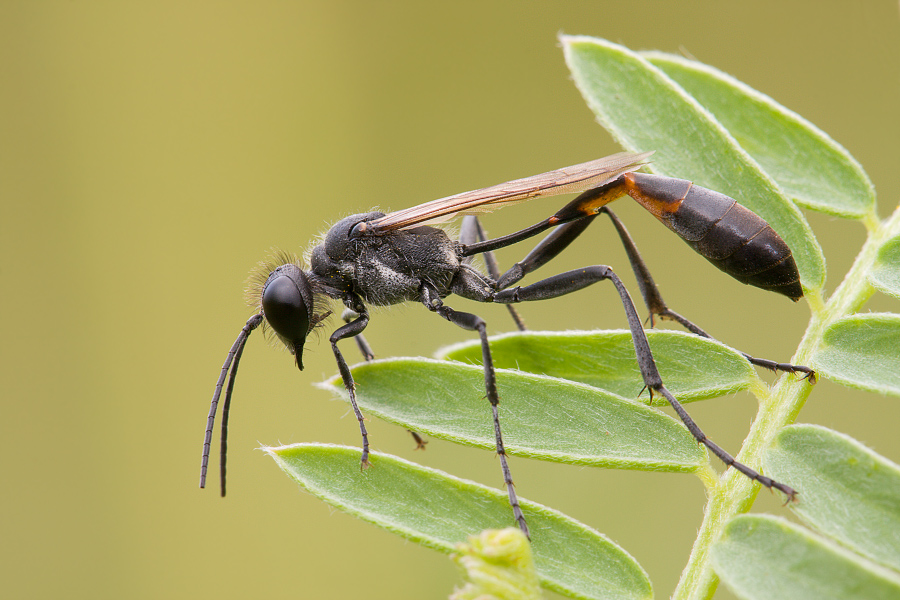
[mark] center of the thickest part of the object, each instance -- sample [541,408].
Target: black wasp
[381,259]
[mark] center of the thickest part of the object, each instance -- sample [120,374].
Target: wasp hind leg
[572,281]
[658,308]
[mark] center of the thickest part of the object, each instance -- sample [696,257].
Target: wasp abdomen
[730,236]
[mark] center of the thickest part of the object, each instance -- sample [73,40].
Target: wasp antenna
[223,452]
[234,356]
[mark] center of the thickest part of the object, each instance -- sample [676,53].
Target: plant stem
[735,493]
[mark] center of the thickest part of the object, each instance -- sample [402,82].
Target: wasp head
[288,299]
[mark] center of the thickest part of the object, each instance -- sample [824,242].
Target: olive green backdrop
[152,153]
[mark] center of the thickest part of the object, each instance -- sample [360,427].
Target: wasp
[378,259]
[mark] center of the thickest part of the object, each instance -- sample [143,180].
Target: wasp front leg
[352,329]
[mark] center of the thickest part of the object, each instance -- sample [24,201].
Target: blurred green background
[152,153]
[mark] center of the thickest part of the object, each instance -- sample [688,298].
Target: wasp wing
[576,178]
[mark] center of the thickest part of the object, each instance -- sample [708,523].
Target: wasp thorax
[287,303]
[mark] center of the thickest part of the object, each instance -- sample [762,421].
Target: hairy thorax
[385,269]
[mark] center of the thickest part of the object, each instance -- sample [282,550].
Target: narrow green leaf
[885,273]
[846,491]
[692,368]
[810,167]
[439,511]
[646,110]
[762,557]
[542,417]
[862,351]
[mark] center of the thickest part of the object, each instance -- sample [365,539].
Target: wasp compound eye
[287,306]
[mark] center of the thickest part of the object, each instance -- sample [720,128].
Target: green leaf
[693,368]
[846,491]
[645,110]
[810,167]
[763,557]
[542,417]
[862,351]
[439,511]
[885,273]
